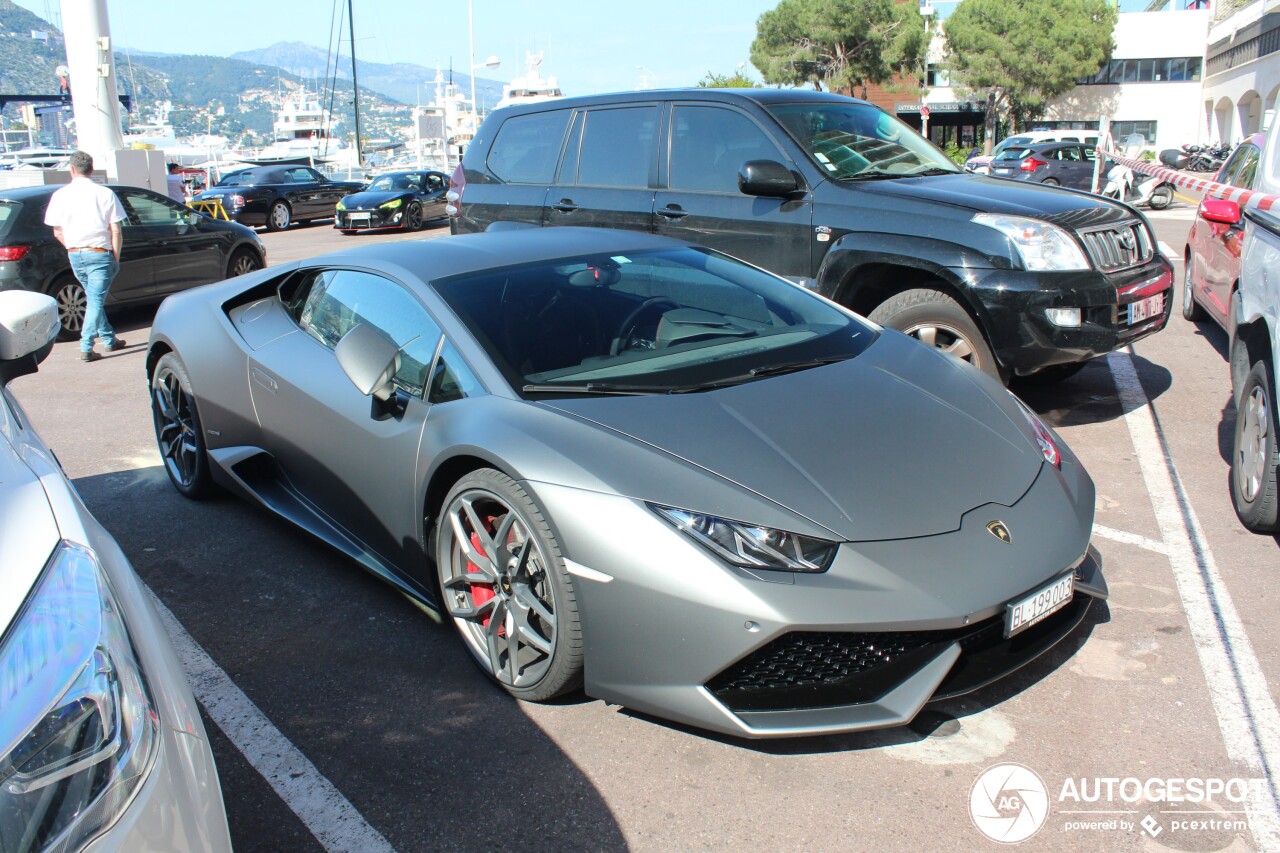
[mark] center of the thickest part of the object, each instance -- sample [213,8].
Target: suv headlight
[79,731]
[749,545]
[1042,246]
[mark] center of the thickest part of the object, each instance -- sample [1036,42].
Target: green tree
[1025,53]
[736,80]
[837,43]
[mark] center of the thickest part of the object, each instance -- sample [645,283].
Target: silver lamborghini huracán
[640,467]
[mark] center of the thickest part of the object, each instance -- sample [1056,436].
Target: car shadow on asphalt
[939,720]
[386,703]
[1090,396]
[1216,337]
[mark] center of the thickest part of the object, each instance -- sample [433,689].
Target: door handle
[672,211]
[261,378]
[565,205]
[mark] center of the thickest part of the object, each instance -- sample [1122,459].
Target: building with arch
[1242,70]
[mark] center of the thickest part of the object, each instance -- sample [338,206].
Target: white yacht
[530,88]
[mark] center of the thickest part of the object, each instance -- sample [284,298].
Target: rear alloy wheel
[934,318]
[243,261]
[1254,456]
[178,432]
[413,217]
[72,303]
[1191,309]
[1051,182]
[279,217]
[505,585]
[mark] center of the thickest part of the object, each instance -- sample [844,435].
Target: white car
[1254,322]
[101,744]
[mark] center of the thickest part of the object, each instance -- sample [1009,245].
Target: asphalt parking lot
[343,718]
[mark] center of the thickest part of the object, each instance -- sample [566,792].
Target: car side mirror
[1220,210]
[370,359]
[28,328]
[767,178]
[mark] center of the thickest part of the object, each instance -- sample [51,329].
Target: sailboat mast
[355,83]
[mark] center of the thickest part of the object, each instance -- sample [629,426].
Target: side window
[1248,167]
[1231,171]
[148,210]
[619,147]
[313,175]
[341,299]
[297,176]
[526,147]
[452,379]
[709,146]
[1069,154]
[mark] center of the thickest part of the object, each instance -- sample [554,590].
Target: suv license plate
[1145,308]
[1039,605]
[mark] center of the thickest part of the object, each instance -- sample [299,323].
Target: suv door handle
[565,205]
[672,211]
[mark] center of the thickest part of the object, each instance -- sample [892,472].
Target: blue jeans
[95,272]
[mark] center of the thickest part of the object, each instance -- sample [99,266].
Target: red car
[1212,255]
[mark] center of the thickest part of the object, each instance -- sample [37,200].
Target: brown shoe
[89,356]
[118,343]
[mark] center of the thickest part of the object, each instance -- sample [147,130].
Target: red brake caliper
[481,592]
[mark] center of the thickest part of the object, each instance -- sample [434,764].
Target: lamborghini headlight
[79,731]
[750,545]
[1041,245]
[392,205]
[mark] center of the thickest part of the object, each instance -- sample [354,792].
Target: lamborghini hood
[898,442]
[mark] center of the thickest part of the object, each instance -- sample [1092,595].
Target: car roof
[463,254]
[42,191]
[759,96]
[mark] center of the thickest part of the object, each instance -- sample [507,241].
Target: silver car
[639,466]
[100,738]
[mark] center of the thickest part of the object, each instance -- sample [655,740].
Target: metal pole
[355,83]
[471,75]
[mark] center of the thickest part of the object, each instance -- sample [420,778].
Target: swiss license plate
[1039,605]
[1145,308]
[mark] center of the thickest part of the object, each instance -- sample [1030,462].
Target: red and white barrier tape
[1242,197]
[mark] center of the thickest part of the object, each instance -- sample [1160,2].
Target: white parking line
[1129,539]
[1167,250]
[1247,714]
[330,817]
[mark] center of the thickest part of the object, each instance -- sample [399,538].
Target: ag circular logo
[1009,803]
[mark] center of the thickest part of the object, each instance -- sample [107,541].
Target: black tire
[72,303]
[179,433]
[279,217]
[1052,375]
[1254,455]
[935,319]
[1191,309]
[524,571]
[1051,182]
[243,261]
[1161,197]
[413,217]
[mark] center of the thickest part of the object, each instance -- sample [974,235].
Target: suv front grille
[1119,246]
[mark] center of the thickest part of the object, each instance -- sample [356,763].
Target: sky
[590,46]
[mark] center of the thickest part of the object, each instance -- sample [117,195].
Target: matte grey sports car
[638,465]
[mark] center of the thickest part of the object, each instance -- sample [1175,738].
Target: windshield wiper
[936,170]
[793,366]
[603,388]
[873,176]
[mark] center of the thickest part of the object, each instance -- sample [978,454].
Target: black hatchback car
[167,247]
[837,195]
[1066,164]
[277,196]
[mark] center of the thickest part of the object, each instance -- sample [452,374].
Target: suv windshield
[858,141]
[656,321]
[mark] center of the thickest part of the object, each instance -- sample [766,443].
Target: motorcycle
[1124,185]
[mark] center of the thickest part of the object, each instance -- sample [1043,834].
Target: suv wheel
[934,318]
[1254,455]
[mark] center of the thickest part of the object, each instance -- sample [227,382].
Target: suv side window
[709,146]
[527,147]
[619,147]
[340,300]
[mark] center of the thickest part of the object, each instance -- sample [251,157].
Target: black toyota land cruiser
[1020,279]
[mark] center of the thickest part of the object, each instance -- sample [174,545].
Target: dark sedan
[277,196]
[167,248]
[404,200]
[1067,164]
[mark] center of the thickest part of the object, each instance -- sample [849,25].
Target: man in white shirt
[177,190]
[86,220]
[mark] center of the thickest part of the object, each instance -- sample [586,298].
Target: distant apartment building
[1242,70]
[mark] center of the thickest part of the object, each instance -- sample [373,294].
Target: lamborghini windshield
[852,142]
[657,321]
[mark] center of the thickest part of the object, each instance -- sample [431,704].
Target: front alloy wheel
[178,431]
[937,320]
[505,586]
[413,217]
